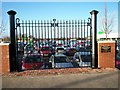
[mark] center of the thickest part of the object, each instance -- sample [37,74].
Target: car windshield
[60,59]
[33,59]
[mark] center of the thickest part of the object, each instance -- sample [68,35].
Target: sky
[58,10]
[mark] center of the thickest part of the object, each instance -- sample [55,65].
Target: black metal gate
[32,36]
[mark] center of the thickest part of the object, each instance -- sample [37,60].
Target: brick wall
[4,58]
[106,59]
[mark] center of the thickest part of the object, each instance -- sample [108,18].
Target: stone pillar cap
[94,12]
[11,12]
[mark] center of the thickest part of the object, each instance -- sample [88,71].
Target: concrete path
[82,80]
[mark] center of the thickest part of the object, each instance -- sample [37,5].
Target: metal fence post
[94,38]
[12,49]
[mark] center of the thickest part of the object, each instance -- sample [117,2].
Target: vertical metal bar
[42,31]
[64,31]
[20,34]
[72,32]
[70,29]
[16,39]
[67,31]
[78,30]
[35,31]
[57,31]
[91,34]
[87,33]
[39,34]
[75,29]
[84,33]
[61,30]
[32,31]
[26,32]
[23,32]
[87,38]
[21,40]
[48,31]
[54,29]
[51,30]
[45,31]
[29,31]
[18,54]
[81,30]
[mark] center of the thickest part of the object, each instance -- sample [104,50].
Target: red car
[32,62]
[45,51]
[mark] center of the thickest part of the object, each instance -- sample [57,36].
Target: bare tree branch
[2,28]
[106,23]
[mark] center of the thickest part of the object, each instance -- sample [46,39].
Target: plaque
[105,49]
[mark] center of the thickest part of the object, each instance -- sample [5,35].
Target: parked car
[70,51]
[118,60]
[45,51]
[60,50]
[32,61]
[60,61]
[28,49]
[82,58]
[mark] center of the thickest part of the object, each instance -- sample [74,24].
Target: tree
[6,38]
[2,28]
[106,23]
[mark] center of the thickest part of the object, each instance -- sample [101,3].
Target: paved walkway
[79,80]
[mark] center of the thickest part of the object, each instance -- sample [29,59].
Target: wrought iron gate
[54,33]
[53,30]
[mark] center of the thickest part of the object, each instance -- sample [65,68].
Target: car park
[32,61]
[60,61]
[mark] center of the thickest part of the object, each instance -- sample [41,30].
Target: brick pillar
[4,58]
[106,54]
